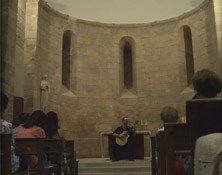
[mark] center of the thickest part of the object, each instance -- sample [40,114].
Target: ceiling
[124,11]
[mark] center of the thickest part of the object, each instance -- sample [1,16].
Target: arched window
[127,69]
[66,58]
[188,53]
[128,66]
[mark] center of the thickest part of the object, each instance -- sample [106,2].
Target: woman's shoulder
[39,131]
[37,128]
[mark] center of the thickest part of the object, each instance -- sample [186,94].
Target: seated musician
[116,148]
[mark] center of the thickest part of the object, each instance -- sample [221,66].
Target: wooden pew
[204,116]
[72,162]
[177,143]
[53,147]
[6,140]
[160,140]
[153,153]
[36,148]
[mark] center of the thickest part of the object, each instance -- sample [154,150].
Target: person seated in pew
[17,159]
[129,145]
[52,126]
[206,84]
[168,115]
[208,150]
[23,118]
[51,131]
[32,129]
[208,155]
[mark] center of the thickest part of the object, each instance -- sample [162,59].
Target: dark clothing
[22,163]
[129,146]
[120,129]
[117,149]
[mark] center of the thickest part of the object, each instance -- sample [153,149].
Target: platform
[103,166]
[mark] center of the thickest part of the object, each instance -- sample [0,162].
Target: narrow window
[128,66]
[189,54]
[66,56]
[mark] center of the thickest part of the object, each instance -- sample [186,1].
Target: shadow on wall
[195,3]
[56,5]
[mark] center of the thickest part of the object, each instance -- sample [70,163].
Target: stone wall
[8,49]
[12,51]
[96,99]
[20,54]
[98,103]
[31,61]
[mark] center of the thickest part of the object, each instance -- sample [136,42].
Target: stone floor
[103,166]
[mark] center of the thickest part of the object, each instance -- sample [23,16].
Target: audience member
[17,159]
[208,150]
[206,83]
[52,125]
[168,115]
[23,118]
[32,129]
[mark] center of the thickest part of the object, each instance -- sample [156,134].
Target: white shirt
[6,128]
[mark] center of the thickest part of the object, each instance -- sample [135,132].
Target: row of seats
[204,116]
[42,148]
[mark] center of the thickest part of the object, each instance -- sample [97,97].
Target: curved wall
[124,11]
[97,104]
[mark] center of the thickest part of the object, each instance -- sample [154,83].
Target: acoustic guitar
[125,134]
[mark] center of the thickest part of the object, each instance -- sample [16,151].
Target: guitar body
[122,142]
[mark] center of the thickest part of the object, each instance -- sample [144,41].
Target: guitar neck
[129,130]
[133,126]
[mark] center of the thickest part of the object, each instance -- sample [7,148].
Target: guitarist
[129,145]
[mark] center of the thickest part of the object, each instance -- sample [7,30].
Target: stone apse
[99,72]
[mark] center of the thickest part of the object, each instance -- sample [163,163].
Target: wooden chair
[177,143]
[53,147]
[161,155]
[6,140]
[36,148]
[204,116]
[72,162]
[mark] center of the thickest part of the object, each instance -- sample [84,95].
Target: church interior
[99,63]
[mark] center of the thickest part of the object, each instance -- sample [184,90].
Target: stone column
[8,10]
[218,21]
[19,52]
[31,84]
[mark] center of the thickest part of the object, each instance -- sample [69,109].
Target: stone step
[117,169]
[115,164]
[99,166]
[131,173]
